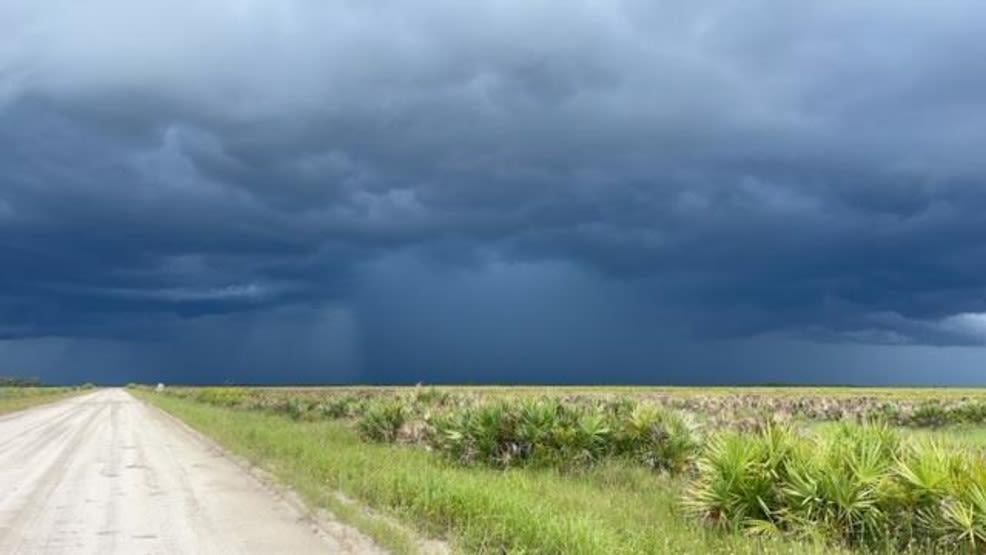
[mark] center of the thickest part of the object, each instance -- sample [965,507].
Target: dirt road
[103,474]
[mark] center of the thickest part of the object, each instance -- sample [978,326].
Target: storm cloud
[492,191]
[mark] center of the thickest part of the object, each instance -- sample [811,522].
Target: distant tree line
[18,381]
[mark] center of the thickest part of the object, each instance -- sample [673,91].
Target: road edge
[322,520]
[353,516]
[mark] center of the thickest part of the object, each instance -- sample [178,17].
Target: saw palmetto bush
[738,476]
[961,520]
[945,492]
[841,486]
[382,420]
[549,432]
[501,433]
[927,413]
[659,438]
[298,408]
[862,485]
[341,406]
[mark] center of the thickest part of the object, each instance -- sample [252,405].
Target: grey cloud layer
[750,168]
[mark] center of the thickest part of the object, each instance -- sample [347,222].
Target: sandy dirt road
[104,474]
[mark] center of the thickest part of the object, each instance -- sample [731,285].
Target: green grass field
[407,453]
[17,398]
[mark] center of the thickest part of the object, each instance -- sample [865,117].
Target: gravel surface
[103,473]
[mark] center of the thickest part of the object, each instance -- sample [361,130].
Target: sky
[371,191]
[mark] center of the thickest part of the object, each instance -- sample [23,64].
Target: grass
[611,508]
[19,398]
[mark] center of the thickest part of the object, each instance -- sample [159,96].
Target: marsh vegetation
[619,470]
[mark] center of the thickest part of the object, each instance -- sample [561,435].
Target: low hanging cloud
[743,170]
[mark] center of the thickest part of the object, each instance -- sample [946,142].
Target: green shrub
[298,408]
[342,406]
[659,438]
[969,413]
[859,486]
[383,420]
[842,485]
[549,432]
[738,478]
[929,415]
[490,433]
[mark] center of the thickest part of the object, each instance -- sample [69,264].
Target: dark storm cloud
[809,172]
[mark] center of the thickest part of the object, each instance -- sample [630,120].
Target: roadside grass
[19,398]
[610,508]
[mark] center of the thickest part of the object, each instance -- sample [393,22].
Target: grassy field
[621,470]
[17,398]
[908,393]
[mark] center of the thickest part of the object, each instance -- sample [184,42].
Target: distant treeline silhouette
[18,381]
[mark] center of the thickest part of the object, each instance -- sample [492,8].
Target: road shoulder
[322,521]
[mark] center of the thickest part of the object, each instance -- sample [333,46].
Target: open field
[621,469]
[916,392]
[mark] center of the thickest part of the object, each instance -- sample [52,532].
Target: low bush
[341,406]
[221,396]
[929,414]
[548,432]
[383,421]
[659,438]
[861,486]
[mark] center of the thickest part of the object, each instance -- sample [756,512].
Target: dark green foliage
[548,432]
